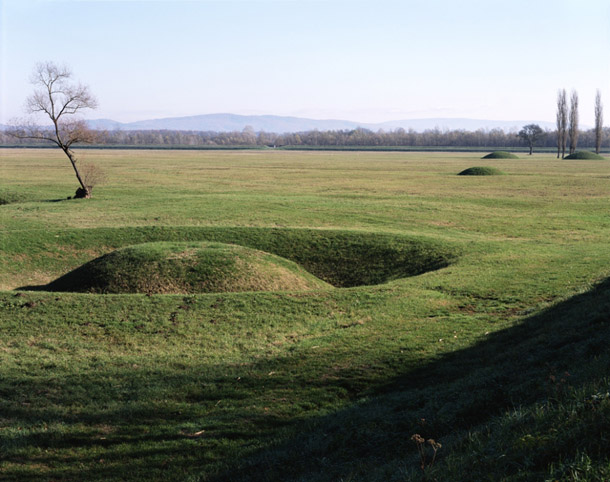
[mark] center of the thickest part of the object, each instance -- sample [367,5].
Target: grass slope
[325,385]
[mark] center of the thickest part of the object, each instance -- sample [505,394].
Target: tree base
[82,193]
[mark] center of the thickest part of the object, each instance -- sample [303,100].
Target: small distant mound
[8,197]
[192,267]
[500,155]
[585,155]
[481,171]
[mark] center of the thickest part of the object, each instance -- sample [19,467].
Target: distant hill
[284,124]
[228,123]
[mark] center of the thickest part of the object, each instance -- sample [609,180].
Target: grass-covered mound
[481,171]
[585,155]
[500,155]
[195,267]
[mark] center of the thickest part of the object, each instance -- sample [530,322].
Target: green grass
[480,171]
[500,155]
[461,308]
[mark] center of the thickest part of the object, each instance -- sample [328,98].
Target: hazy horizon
[363,61]
[227,122]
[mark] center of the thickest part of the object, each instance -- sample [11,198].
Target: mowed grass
[500,356]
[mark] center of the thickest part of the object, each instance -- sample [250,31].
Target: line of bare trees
[594,138]
[58,98]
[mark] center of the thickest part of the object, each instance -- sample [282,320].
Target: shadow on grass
[213,423]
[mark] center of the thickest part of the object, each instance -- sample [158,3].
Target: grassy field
[496,347]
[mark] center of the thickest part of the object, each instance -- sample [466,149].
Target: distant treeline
[339,138]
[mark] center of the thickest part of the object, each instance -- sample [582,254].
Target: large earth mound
[481,171]
[187,267]
[585,155]
[500,155]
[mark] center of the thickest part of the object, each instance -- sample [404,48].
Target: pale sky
[367,61]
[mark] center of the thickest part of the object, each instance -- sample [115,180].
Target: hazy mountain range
[283,124]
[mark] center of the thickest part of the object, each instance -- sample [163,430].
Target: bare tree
[531,134]
[58,98]
[573,122]
[562,123]
[599,121]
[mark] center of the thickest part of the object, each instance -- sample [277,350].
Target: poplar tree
[573,122]
[562,122]
[599,121]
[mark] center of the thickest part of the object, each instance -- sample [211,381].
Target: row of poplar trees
[567,122]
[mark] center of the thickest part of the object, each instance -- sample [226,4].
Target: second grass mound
[585,155]
[500,155]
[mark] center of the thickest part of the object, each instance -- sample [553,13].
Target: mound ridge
[187,267]
[500,155]
[481,171]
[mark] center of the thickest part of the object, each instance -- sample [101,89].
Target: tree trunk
[83,192]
